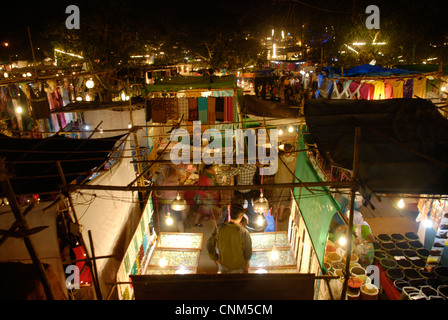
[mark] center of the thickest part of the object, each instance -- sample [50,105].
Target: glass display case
[174,258]
[180,240]
[274,270]
[268,258]
[152,270]
[266,240]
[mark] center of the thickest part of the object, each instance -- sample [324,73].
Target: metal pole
[95,270]
[352,207]
[9,192]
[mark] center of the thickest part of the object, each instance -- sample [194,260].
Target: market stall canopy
[253,105]
[33,162]
[370,71]
[403,147]
[177,83]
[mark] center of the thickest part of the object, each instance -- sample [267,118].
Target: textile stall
[374,83]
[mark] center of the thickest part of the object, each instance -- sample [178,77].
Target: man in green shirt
[230,245]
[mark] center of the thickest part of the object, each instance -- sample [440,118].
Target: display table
[387,284]
[180,253]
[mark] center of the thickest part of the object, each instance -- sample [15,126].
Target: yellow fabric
[419,88]
[379,90]
[397,88]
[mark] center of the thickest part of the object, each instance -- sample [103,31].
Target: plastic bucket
[411,273]
[333,257]
[411,236]
[395,274]
[404,263]
[353,294]
[402,245]
[388,263]
[356,271]
[407,291]
[383,237]
[369,292]
[443,291]
[397,237]
[400,284]
[365,279]
[415,244]
[330,248]
[423,253]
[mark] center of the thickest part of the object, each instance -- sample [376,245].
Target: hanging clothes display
[341,90]
[354,89]
[408,88]
[219,107]
[379,90]
[182,104]
[193,109]
[397,87]
[39,104]
[228,109]
[202,109]
[364,91]
[388,90]
[211,111]
[172,109]
[158,110]
[419,88]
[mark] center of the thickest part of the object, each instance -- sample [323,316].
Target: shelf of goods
[401,260]
[267,258]
[175,253]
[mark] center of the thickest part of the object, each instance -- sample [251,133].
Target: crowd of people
[290,89]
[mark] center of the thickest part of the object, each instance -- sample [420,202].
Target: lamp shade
[261,205]
[178,204]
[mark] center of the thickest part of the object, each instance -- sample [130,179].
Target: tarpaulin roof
[403,147]
[266,108]
[33,162]
[369,70]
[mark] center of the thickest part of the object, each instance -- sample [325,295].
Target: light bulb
[101,130]
[87,127]
[163,262]
[274,255]
[428,223]
[280,132]
[342,241]
[90,84]
[169,220]
[129,125]
[260,220]
[19,110]
[290,129]
[401,204]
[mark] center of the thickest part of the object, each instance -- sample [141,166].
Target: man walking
[230,245]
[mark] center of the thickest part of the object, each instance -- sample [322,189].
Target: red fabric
[388,90]
[388,284]
[85,275]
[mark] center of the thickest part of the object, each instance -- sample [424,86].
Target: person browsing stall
[230,244]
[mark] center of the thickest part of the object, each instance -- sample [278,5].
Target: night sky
[37,15]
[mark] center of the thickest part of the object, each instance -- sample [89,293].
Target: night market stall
[398,138]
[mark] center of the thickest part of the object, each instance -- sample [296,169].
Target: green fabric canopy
[317,208]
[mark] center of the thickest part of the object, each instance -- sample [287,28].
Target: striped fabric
[182,105]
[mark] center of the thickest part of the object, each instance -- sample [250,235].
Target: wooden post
[352,207]
[9,192]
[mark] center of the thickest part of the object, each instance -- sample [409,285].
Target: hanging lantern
[261,205]
[178,204]
[90,84]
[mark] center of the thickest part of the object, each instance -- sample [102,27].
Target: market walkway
[386,218]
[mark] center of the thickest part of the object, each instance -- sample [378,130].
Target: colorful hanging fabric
[228,109]
[379,90]
[211,109]
[172,109]
[408,88]
[419,88]
[202,109]
[182,104]
[193,109]
[397,88]
[158,110]
[364,91]
[354,89]
[39,104]
[388,90]
[219,107]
